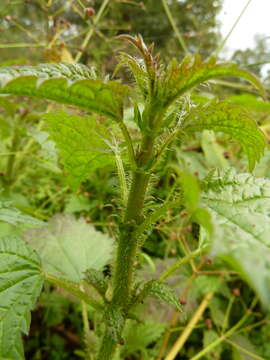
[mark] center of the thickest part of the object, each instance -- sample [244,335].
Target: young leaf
[161,291]
[97,280]
[240,209]
[232,120]
[20,285]
[68,247]
[180,78]
[71,84]
[81,143]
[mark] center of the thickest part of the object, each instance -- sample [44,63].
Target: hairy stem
[128,243]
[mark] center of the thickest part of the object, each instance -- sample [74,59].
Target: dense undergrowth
[203,232]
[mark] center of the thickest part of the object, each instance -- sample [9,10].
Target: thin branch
[175,29]
[92,29]
[221,46]
[189,328]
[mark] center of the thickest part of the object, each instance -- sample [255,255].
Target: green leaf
[202,217]
[97,280]
[13,216]
[71,84]
[180,78]
[213,152]
[68,247]
[232,120]
[162,292]
[20,285]
[240,208]
[81,143]
[191,190]
[139,336]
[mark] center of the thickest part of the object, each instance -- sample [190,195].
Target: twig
[189,328]
[221,46]
[175,29]
[92,29]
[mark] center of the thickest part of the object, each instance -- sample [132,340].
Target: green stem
[92,29]
[175,29]
[179,263]
[221,46]
[226,335]
[12,157]
[73,288]
[128,243]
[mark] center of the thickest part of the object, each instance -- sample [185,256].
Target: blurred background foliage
[34,31]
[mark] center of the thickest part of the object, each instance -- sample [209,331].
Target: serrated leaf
[180,78]
[20,285]
[139,336]
[71,84]
[232,120]
[13,216]
[81,143]
[97,280]
[240,208]
[68,247]
[162,292]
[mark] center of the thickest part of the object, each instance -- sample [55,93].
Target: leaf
[13,216]
[20,285]
[162,292]
[139,336]
[213,152]
[191,190]
[81,143]
[232,120]
[68,247]
[244,349]
[71,84]
[78,203]
[240,208]
[97,280]
[180,78]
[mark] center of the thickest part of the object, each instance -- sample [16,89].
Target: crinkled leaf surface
[68,247]
[192,71]
[162,292]
[240,209]
[72,84]
[81,143]
[232,120]
[20,285]
[13,216]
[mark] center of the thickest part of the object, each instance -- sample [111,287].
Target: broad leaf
[232,120]
[13,216]
[20,285]
[71,84]
[240,209]
[180,78]
[82,144]
[68,247]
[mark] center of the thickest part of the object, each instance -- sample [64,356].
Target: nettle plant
[231,209]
